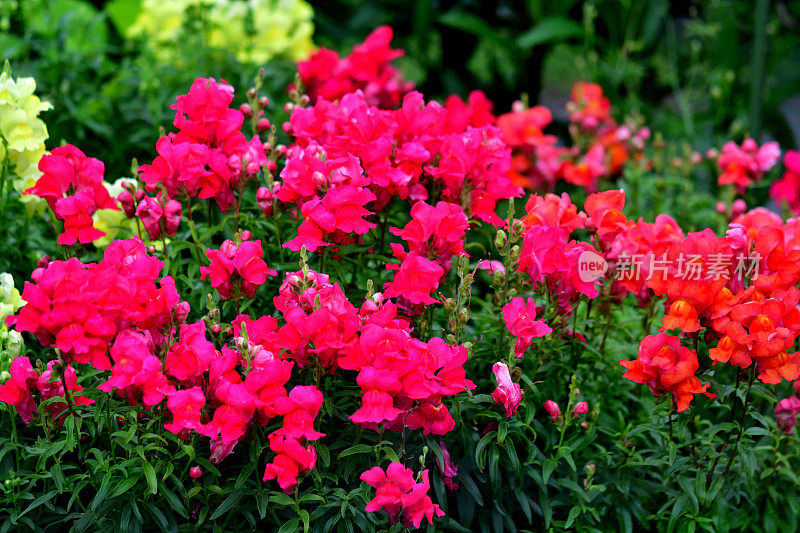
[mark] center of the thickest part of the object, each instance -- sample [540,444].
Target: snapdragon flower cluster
[409,153]
[25,384]
[396,492]
[601,147]
[368,68]
[209,156]
[367,143]
[742,165]
[72,184]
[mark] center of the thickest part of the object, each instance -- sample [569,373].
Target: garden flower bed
[364,309]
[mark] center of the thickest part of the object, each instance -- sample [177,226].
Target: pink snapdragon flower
[507,393]
[520,317]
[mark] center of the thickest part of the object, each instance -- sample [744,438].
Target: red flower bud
[263,125]
[264,200]
[125,199]
[552,409]
[581,408]
[172,217]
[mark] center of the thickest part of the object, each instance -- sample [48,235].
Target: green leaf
[677,511]
[480,458]
[229,502]
[290,526]
[573,514]
[548,467]
[756,431]
[502,432]
[124,486]
[475,25]
[358,448]
[39,501]
[472,488]
[548,30]
[101,494]
[150,475]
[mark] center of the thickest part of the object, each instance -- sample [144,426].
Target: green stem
[741,421]
[671,418]
[166,252]
[277,228]
[194,232]
[563,430]
[14,438]
[3,190]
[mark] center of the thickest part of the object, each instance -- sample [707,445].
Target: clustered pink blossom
[399,153]
[209,156]
[520,317]
[742,165]
[25,381]
[396,492]
[601,146]
[79,308]
[369,68]
[72,185]
[787,188]
[237,269]
[786,414]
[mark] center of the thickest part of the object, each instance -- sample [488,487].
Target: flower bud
[195,472]
[552,409]
[251,93]
[739,207]
[43,262]
[581,408]
[497,277]
[264,198]
[721,208]
[263,102]
[501,239]
[246,110]
[181,312]
[246,235]
[263,125]
[125,199]
[172,217]
[216,329]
